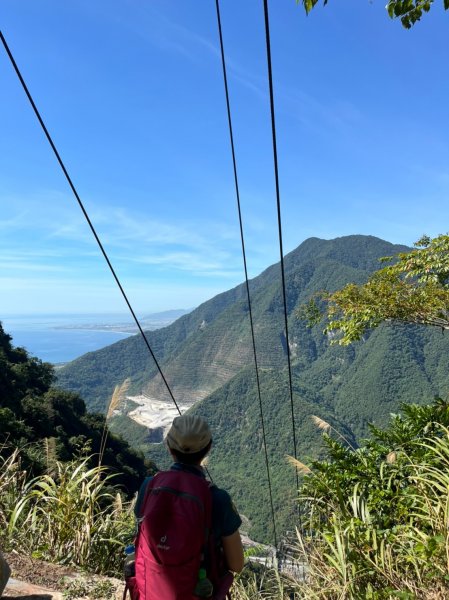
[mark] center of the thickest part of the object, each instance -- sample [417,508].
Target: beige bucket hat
[188,434]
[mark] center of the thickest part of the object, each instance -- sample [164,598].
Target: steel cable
[81,205]
[278,204]
[250,312]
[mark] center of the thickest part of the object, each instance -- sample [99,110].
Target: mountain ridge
[227,313]
[207,355]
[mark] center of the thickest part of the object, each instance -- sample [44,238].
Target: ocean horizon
[61,338]
[64,337]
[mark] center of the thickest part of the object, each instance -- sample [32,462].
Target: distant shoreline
[59,339]
[100,328]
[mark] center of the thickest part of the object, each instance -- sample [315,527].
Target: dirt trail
[33,579]
[26,591]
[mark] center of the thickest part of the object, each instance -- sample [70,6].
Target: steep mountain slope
[347,387]
[207,355]
[237,460]
[48,424]
[202,350]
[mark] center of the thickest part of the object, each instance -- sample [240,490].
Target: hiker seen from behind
[188,541]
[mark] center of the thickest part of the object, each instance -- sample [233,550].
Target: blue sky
[132,94]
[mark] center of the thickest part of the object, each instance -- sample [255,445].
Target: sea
[61,338]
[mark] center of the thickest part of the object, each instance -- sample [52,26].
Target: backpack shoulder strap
[141,502]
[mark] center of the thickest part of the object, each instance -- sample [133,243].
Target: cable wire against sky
[250,312]
[81,205]
[278,204]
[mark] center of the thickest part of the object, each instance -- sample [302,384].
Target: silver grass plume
[391,457]
[321,423]
[327,428]
[301,467]
[50,454]
[117,397]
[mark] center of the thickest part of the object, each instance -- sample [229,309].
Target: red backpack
[174,541]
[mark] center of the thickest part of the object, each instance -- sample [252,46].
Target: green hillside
[48,424]
[237,460]
[205,348]
[207,355]
[347,387]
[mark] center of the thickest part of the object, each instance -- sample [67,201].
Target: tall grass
[12,491]
[118,395]
[70,516]
[266,584]
[377,521]
[366,547]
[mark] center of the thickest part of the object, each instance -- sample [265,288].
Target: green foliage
[204,349]
[377,516]
[130,430]
[414,289]
[32,413]
[347,386]
[89,588]
[73,516]
[408,11]
[262,584]
[237,460]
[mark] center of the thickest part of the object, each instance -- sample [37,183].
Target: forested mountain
[205,348]
[206,355]
[48,424]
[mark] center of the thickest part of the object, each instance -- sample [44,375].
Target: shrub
[377,516]
[70,516]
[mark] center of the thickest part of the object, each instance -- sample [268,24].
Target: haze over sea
[61,338]
[64,337]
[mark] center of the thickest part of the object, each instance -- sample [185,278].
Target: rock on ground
[33,579]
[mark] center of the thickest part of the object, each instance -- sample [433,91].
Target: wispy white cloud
[122,226]
[37,241]
[76,231]
[316,114]
[17,265]
[45,213]
[172,36]
[41,295]
[13,221]
[291,100]
[196,264]
[164,33]
[192,37]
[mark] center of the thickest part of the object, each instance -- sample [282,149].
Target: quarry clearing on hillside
[154,413]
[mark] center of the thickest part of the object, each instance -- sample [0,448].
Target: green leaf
[398,8]
[308,5]
[390,9]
